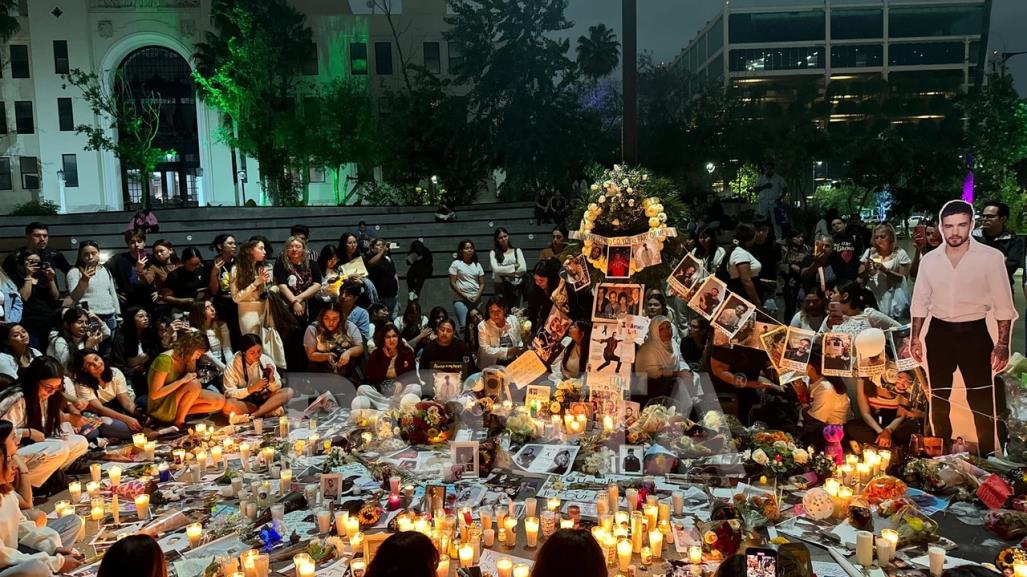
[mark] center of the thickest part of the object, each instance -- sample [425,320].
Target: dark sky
[667,26]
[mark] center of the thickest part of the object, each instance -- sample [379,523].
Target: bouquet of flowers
[774,453]
[567,391]
[721,539]
[426,423]
[939,477]
[883,488]
[652,420]
[914,527]
[597,462]
[1006,524]
[758,510]
[521,427]
[823,465]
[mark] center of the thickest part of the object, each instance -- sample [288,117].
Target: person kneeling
[252,384]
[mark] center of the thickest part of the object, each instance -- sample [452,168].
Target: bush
[36,208]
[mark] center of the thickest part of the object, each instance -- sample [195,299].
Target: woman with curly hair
[250,280]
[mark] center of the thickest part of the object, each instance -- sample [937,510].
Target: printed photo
[685,277]
[605,400]
[618,262]
[447,385]
[632,410]
[798,347]
[872,365]
[899,340]
[647,253]
[909,386]
[708,297]
[610,350]
[577,272]
[536,399]
[758,324]
[331,486]
[774,344]
[732,314]
[616,301]
[837,359]
[547,459]
[631,459]
[465,456]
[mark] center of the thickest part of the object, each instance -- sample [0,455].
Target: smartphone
[920,232]
[760,562]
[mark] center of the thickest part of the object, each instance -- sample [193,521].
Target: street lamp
[710,167]
[61,185]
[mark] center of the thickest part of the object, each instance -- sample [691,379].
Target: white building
[152,42]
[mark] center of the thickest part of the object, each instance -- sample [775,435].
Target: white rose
[601,199]
[616,167]
[645,177]
[595,187]
[801,456]
[760,457]
[624,182]
[780,445]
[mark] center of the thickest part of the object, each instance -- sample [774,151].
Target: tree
[522,99]
[997,134]
[598,53]
[9,25]
[129,124]
[250,70]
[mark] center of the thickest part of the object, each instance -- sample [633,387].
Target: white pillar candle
[142,502]
[75,491]
[936,559]
[95,472]
[340,522]
[886,544]
[865,548]
[531,531]
[324,521]
[114,473]
[489,536]
[521,570]
[632,496]
[138,440]
[695,554]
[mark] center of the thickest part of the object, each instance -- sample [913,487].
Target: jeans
[461,307]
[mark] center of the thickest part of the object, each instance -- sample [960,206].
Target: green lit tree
[128,124]
[598,53]
[250,69]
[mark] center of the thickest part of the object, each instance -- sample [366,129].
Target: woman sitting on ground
[499,336]
[413,326]
[108,394]
[80,329]
[131,348]
[37,409]
[15,352]
[392,360]
[252,384]
[174,392]
[333,344]
[203,317]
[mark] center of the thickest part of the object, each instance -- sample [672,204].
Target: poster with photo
[577,272]
[606,400]
[447,385]
[686,275]
[546,459]
[871,365]
[610,351]
[837,360]
[646,253]
[708,297]
[618,262]
[774,343]
[630,462]
[536,398]
[899,340]
[464,454]
[732,314]
[910,386]
[614,301]
[798,346]
[547,345]
[758,324]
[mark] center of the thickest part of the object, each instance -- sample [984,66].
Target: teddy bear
[834,434]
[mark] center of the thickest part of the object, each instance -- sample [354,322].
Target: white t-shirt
[742,256]
[106,392]
[466,276]
[828,406]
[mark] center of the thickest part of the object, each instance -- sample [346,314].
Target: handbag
[271,341]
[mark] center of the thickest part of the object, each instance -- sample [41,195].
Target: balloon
[870,343]
[818,504]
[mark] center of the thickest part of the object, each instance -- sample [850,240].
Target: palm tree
[8,24]
[598,52]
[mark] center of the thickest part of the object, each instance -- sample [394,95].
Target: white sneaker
[238,418]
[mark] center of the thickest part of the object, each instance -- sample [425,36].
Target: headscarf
[655,356]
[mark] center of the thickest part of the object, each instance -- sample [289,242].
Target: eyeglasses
[52,389]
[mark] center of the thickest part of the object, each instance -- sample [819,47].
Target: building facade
[150,44]
[791,42]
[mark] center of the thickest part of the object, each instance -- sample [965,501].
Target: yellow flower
[662,216]
[710,538]
[554,407]
[601,199]
[654,222]
[651,211]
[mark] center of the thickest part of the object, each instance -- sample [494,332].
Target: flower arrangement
[426,423]
[567,392]
[652,420]
[521,427]
[597,462]
[721,539]
[774,453]
[758,510]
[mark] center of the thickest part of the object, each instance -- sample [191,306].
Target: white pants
[251,315]
[46,457]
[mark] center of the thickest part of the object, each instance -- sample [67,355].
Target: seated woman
[657,358]
[80,329]
[37,409]
[333,345]
[105,389]
[391,365]
[405,554]
[883,420]
[413,326]
[174,391]
[697,344]
[130,349]
[203,317]
[18,533]
[499,337]
[15,352]
[446,352]
[829,404]
[252,384]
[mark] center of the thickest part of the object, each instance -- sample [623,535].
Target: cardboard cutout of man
[958,287]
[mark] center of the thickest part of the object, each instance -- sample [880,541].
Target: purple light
[968,187]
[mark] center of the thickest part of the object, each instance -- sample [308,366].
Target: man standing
[958,287]
[770,187]
[993,233]
[37,236]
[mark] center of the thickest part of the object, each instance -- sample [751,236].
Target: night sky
[667,26]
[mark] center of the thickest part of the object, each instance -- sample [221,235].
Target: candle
[607,424]
[394,484]
[845,471]
[283,426]
[885,457]
[215,453]
[647,556]
[114,473]
[138,440]
[678,500]
[504,566]
[284,481]
[341,516]
[664,509]
[851,460]
[150,450]
[485,515]
[324,521]
[530,506]
[695,554]
[489,536]
[466,555]
[95,472]
[327,445]
[115,509]
[201,459]
[831,486]
[624,554]
[262,565]
[75,490]
[195,533]
[863,473]
[656,543]
[614,492]
[96,513]
[650,512]
[865,548]
[352,526]
[395,502]
[142,505]
[511,530]
[267,454]
[841,503]
[553,504]
[632,496]
[637,533]
[356,540]
[886,545]
[307,567]
[244,455]
[936,559]
[1019,569]
[201,429]
[93,488]
[531,531]
[521,570]
[442,570]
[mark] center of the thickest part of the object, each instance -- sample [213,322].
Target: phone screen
[920,231]
[760,562]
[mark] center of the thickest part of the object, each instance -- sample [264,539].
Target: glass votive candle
[75,491]
[93,488]
[114,473]
[138,440]
[142,502]
[194,532]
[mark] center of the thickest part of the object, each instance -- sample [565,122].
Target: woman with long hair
[569,552]
[155,275]
[80,329]
[138,555]
[706,250]
[885,271]
[545,278]
[391,360]
[349,251]
[333,343]
[330,263]
[94,287]
[742,267]
[105,389]
[413,326]
[250,282]
[18,533]
[508,267]
[219,283]
[299,282]
[174,391]
[40,294]
[133,347]
[381,269]
[203,317]
[252,385]
[445,351]
[405,554]
[37,409]
[575,356]
[15,351]
[466,280]
[852,309]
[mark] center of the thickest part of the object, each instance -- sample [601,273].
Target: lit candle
[614,492]
[531,531]
[851,460]
[356,540]
[831,486]
[442,570]
[341,516]
[195,533]
[356,568]
[313,444]
[489,537]
[504,566]
[394,502]
[284,481]
[215,454]
[93,488]
[466,555]
[647,556]
[138,440]
[695,554]
[886,545]
[846,471]
[201,429]
[142,501]
[885,457]
[352,526]
[115,509]
[75,490]
[841,504]
[863,472]
[510,523]
[115,475]
[530,506]
[650,512]
[656,543]
[865,548]
[327,445]
[624,554]
[201,459]
[521,570]
[553,504]
[1019,569]
[96,513]
[283,426]
[150,450]
[485,515]
[95,472]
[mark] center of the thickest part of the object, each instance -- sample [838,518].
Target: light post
[61,186]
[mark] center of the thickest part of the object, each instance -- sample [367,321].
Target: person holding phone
[252,385]
[925,239]
[127,268]
[40,295]
[382,271]
[80,329]
[250,282]
[94,286]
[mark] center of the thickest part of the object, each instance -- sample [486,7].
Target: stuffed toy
[834,434]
